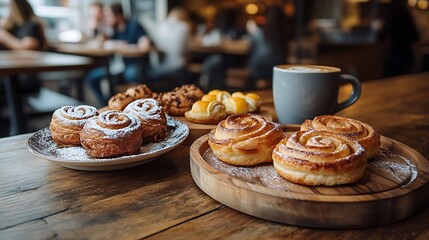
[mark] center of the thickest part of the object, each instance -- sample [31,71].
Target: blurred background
[233,44]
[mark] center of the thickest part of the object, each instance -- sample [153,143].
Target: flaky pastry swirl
[68,121]
[362,132]
[319,158]
[245,139]
[206,112]
[152,117]
[112,133]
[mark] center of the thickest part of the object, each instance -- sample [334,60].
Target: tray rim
[413,185]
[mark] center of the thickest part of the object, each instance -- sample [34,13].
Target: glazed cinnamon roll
[206,112]
[152,117]
[362,132]
[245,139]
[112,134]
[68,121]
[319,158]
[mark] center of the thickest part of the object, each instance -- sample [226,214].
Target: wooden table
[98,52]
[40,200]
[15,62]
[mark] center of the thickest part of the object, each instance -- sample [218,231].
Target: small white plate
[42,145]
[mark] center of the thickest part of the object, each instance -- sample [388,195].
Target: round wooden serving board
[395,186]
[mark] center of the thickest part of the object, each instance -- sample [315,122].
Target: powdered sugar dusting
[75,115]
[395,169]
[147,108]
[114,124]
[399,169]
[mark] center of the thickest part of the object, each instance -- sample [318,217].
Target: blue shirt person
[126,33]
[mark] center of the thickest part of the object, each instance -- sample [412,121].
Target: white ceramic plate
[42,145]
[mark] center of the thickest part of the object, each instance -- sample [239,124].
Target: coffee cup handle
[346,78]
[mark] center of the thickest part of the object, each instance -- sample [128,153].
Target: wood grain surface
[41,200]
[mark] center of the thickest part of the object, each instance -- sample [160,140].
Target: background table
[101,54]
[15,62]
[226,46]
[97,50]
[159,200]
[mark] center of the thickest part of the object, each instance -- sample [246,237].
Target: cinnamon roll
[119,101]
[206,112]
[245,139]
[112,134]
[139,91]
[362,132]
[152,117]
[68,121]
[319,158]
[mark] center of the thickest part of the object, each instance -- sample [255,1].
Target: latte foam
[307,68]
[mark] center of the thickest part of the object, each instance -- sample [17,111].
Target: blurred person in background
[268,45]
[209,33]
[401,33]
[97,28]
[125,33]
[172,38]
[22,29]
